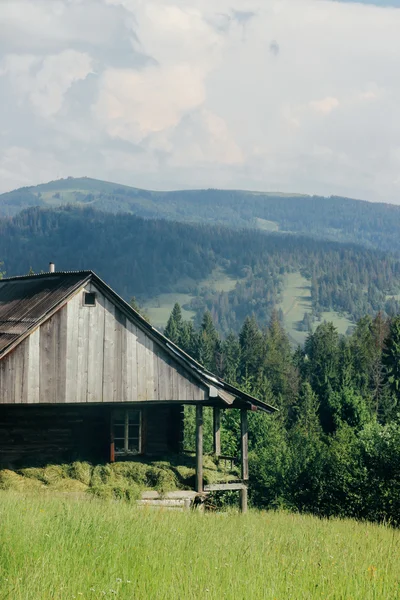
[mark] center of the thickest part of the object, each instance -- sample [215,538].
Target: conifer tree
[188,339]
[278,366]
[173,329]
[208,343]
[251,345]
[322,353]
[231,358]
[391,358]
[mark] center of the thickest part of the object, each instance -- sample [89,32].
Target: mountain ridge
[375,225]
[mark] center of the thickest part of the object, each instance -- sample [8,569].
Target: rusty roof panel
[25,301]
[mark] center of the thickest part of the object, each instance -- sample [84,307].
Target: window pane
[119,431]
[119,445]
[119,415]
[134,431]
[134,417]
[133,445]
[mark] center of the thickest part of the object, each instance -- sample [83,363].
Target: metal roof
[25,302]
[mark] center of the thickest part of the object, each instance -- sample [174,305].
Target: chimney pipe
[52,267]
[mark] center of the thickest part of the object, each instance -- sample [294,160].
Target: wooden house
[84,377]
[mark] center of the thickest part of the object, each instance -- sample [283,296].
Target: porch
[141,433]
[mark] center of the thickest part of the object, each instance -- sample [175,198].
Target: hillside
[342,219]
[231,273]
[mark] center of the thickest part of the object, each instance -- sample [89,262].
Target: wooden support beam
[217,431]
[244,444]
[199,448]
[243,500]
[223,487]
[112,443]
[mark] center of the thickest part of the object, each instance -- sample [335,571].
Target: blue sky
[289,95]
[380,3]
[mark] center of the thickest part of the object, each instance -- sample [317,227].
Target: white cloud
[44,81]
[135,104]
[325,106]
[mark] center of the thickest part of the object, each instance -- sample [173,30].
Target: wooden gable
[87,353]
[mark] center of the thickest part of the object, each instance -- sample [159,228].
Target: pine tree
[136,306]
[322,371]
[278,367]
[307,410]
[189,339]
[231,358]
[251,346]
[208,343]
[380,396]
[173,329]
[391,357]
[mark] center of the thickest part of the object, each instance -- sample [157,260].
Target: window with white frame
[127,426]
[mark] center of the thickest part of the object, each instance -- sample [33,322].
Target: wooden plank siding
[38,435]
[93,354]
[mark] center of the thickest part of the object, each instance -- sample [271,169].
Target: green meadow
[62,547]
[160,307]
[297,301]
[266,225]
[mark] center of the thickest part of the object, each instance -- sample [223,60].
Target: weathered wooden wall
[40,435]
[92,354]
[163,430]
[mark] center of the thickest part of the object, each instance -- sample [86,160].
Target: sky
[269,95]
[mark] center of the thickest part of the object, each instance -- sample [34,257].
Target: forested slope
[334,446]
[343,219]
[143,258]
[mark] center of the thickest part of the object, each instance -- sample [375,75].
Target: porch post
[112,443]
[244,444]
[217,431]
[199,448]
[244,458]
[243,500]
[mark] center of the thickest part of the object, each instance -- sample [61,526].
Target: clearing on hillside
[297,301]
[160,307]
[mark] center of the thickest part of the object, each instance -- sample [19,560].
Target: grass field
[266,225]
[297,301]
[159,308]
[57,548]
[219,281]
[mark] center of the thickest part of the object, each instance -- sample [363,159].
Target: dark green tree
[231,352]
[189,339]
[252,349]
[139,309]
[209,344]
[322,352]
[278,367]
[391,358]
[173,329]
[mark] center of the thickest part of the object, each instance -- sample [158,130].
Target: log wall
[41,435]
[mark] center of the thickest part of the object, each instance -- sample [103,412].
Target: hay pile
[121,480]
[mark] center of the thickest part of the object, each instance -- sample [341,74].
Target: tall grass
[60,547]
